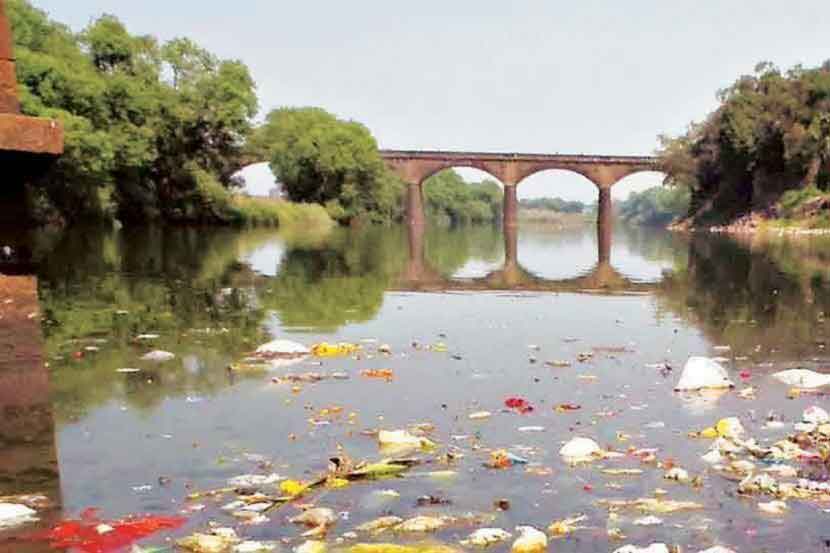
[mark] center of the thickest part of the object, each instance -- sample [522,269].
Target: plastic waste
[802,378]
[678,474]
[158,356]
[566,526]
[717,549]
[334,350]
[318,516]
[519,405]
[13,514]
[653,548]
[501,458]
[208,543]
[773,507]
[386,374]
[382,469]
[421,524]
[248,481]
[293,488]
[530,540]
[311,546]
[91,535]
[254,547]
[650,505]
[701,373]
[649,520]
[580,450]
[397,548]
[402,439]
[379,524]
[730,427]
[486,536]
[815,415]
[277,348]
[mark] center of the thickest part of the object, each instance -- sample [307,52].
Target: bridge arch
[552,182]
[637,181]
[531,170]
[257,179]
[450,166]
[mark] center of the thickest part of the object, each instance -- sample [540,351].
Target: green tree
[770,134]
[450,196]
[151,130]
[553,204]
[656,206]
[320,158]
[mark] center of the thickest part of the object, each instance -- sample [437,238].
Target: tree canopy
[448,195]
[770,134]
[320,158]
[151,130]
[657,206]
[553,204]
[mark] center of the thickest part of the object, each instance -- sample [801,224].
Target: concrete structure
[28,456]
[27,144]
[511,168]
[28,453]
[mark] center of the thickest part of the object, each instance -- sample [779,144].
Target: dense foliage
[448,195]
[320,158]
[770,134]
[152,130]
[553,204]
[659,205]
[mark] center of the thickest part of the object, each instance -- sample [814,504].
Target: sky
[546,76]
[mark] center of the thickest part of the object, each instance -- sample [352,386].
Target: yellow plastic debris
[324,349]
[530,540]
[293,487]
[336,483]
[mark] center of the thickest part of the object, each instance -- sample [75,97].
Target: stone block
[30,134]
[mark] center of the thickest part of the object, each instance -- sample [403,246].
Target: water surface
[502,306]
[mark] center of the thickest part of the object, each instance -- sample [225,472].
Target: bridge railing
[449,155]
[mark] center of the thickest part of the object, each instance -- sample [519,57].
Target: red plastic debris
[90,535]
[745,374]
[519,405]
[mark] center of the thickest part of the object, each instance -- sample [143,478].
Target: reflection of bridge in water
[603,278]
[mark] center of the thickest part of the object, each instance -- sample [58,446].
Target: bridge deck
[448,155]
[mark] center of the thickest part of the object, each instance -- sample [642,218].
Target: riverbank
[554,218]
[797,212]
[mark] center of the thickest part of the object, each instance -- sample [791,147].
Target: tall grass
[246,210]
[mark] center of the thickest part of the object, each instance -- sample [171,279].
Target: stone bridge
[511,168]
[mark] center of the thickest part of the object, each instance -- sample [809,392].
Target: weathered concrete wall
[8,80]
[28,145]
[28,456]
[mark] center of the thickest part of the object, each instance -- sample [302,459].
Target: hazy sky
[536,75]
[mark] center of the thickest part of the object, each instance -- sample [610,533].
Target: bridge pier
[415,205]
[28,454]
[510,209]
[604,224]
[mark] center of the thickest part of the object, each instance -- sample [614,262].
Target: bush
[448,195]
[656,206]
[267,212]
[322,159]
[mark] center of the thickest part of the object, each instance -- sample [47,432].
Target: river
[471,317]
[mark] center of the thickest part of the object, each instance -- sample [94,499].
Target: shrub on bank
[265,211]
